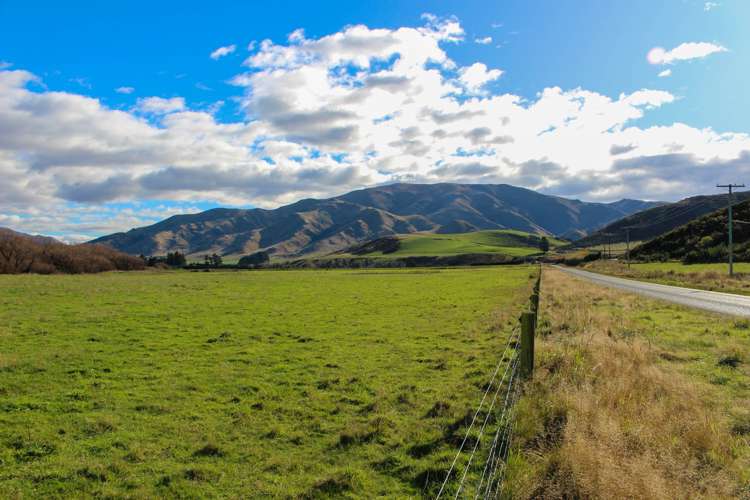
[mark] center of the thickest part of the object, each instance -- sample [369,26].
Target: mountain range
[312,226]
[658,220]
[703,239]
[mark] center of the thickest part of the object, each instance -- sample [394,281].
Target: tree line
[178,259]
[21,254]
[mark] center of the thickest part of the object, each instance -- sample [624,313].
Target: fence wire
[502,393]
[498,416]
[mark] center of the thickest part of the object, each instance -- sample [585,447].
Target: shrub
[256,259]
[22,254]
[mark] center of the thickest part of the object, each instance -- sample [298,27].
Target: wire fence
[479,467]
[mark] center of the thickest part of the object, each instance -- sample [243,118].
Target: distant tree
[216,260]
[207,260]
[176,259]
[17,255]
[255,259]
[544,244]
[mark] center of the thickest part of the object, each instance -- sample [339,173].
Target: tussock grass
[622,403]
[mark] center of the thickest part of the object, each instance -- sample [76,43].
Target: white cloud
[241,80]
[446,29]
[296,36]
[474,77]
[710,6]
[124,90]
[325,115]
[483,41]
[663,74]
[683,52]
[223,51]
[159,105]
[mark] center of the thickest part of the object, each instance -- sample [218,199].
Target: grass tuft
[208,450]
[731,360]
[333,486]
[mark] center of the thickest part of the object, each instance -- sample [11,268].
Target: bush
[706,242]
[21,254]
[256,259]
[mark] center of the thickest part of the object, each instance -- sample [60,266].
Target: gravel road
[725,303]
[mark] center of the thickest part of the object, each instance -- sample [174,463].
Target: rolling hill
[503,241]
[322,226]
[702,240]
[659,220]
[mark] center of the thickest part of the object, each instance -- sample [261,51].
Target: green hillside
[702,240]
[507,242]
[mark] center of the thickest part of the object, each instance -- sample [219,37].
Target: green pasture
[245,384]
[506,242]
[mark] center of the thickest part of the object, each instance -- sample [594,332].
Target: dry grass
[606,417]
[703,276]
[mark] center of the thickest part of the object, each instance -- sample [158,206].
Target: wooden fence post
[535,303]
[527,344]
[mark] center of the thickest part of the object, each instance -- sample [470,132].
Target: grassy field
[506,242]
[704,276]
[268,383]
[615,249]
[633,398]
[680,268]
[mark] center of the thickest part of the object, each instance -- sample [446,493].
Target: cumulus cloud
[159,105]
[665,73]
[683,52]
[618,149]
[708,6]
[325,115]
[483,40]
[474,77]
[222,51]
[124,90]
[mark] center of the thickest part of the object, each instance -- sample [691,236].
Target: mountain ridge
[703,239]
[312,226]
[6,232]
[656,221]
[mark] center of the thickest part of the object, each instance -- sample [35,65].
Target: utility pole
[731,256]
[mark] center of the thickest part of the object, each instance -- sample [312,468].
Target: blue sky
[78,53]
[161,48]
